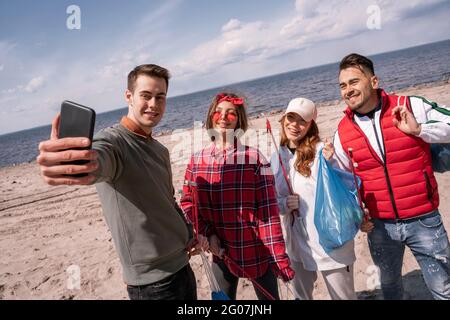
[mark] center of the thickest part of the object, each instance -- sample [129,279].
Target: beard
[357,106]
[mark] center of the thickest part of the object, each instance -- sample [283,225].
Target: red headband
[236,101]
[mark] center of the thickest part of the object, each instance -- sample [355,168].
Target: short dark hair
[151,70]
[358,61]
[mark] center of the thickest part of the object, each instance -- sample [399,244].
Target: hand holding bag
[337,214]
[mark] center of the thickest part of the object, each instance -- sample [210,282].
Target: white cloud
[34,84]
[306,8]
[7,97]
[231,25]
[5,48]
[240,50]
[97,80]
[237,41]
[120,64]
[160,13]
[313,22]
[9,91]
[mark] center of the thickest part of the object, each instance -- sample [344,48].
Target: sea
[397,70]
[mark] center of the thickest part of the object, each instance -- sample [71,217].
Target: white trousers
[339,282]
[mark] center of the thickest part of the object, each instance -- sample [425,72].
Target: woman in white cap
[299,149]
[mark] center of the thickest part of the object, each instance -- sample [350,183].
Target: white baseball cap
[305,108]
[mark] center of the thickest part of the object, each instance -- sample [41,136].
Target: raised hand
[328,150]
[54,152]
[405,120]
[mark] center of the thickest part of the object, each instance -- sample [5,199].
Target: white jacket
[302,240]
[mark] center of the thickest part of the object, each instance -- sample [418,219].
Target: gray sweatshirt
[135,188]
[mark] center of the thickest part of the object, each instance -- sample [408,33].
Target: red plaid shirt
[236,201]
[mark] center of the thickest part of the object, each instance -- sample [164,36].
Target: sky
[49,53]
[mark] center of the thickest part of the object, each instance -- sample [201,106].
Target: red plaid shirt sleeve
[269,225]
[186,203]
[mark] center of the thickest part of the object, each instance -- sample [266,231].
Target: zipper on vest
[386,173]
[429,188]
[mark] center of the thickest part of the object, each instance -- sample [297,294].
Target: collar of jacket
[133,127]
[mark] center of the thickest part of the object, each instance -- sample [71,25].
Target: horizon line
[246,81]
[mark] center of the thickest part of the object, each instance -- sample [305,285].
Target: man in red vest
[387,138]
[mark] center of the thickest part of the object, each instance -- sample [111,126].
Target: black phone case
[76,121]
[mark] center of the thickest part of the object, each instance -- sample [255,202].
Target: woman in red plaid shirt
[237,205]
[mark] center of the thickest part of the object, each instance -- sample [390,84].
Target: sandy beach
[45,230]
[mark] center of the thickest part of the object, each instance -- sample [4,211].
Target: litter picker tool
[286,178]
[216,292]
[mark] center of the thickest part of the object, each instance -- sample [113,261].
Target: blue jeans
[179,286]
[428,241]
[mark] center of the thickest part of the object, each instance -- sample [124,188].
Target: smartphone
[76,121]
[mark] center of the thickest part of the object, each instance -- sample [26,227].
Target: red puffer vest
[404,185]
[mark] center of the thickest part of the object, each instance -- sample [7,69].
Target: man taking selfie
[133,177]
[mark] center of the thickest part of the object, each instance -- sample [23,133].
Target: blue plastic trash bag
[337,215]
[440,155]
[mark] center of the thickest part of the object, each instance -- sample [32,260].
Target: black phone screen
[76,121]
